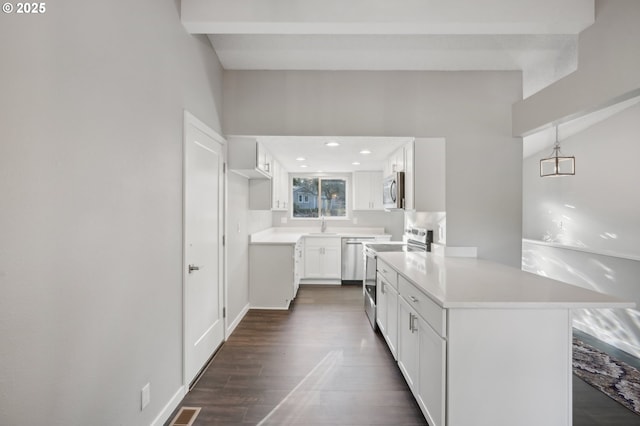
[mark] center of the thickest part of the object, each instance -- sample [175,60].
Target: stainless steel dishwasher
[353,259]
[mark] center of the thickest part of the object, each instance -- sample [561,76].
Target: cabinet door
[312,261]
[376,191]
[367,191]
[432,368]
[331,262]
[275,186]
[392,319]
[409,177]
[408,343]
[381,304]
[284,188]
[361,191]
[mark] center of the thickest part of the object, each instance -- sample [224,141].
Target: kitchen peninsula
[480,343]
[279,258]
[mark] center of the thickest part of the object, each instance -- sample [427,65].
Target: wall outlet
[283,220]
[355,220]
[145,396]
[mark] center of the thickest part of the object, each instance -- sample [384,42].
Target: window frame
[320,176]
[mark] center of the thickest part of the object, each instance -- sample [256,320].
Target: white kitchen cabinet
[387,313]
[322,258]
[264,159]
[424,179]
[272,283]
[367,190]
[248,157]
[395,162]
[283,189]
[421,358]
[279,187]
[408,344]
[431,373]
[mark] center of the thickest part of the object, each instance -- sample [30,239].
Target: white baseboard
[170,407]
[320,281]
[237,320]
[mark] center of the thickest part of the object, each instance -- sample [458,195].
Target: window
[315,197]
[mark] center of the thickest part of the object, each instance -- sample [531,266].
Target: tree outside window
[314,197]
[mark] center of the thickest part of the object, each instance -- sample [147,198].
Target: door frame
[190,119]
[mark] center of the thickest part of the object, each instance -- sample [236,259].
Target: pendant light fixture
[557,164]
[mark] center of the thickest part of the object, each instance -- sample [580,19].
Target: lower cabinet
[271,287]
[422,360]
[387,313]
[322,258]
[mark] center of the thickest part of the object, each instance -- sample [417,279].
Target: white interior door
[203,248]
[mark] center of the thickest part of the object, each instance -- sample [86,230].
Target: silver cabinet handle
[193,268]
[413,327]
[413,299]
[384,271]
[410,322]
[381,287]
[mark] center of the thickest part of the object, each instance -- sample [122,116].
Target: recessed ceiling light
[332,144]
[300,159]
[355,163]
[303,165]
[365,152]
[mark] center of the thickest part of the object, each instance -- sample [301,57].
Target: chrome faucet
[323,224]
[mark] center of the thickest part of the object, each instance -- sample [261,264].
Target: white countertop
[292,235]
[477,283]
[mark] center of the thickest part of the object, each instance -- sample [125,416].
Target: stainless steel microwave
[393,191]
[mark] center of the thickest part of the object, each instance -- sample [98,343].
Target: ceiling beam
[387,17]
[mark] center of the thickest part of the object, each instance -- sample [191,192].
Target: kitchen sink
[322,233]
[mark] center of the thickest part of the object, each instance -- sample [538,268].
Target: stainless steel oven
[415,239]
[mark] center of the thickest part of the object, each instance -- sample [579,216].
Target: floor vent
[186,416]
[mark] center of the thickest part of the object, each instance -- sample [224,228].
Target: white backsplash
[392,221]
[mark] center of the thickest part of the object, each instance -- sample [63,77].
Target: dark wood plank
[319,363]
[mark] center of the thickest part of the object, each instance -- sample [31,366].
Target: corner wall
[472,110]
[608,63]
[91,122]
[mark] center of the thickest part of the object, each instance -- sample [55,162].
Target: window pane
[333,197]
[305,196]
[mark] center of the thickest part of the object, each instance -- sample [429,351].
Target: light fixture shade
[557,166]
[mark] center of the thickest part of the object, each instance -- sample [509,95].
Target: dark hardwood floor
[320,363]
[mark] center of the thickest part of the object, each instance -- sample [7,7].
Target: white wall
[597,211]
[608,63]
[91,215]
[241,222]
[472,110]
[237,246]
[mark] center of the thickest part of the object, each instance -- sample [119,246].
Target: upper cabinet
[367,190]
[423,164]
[424,179]
[396,162]
[249,158]
[279,187]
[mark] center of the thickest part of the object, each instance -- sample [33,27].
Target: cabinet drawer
[433,314]
[388,273]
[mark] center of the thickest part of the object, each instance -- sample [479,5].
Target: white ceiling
[320,158]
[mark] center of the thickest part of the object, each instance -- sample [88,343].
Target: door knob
[193,268]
